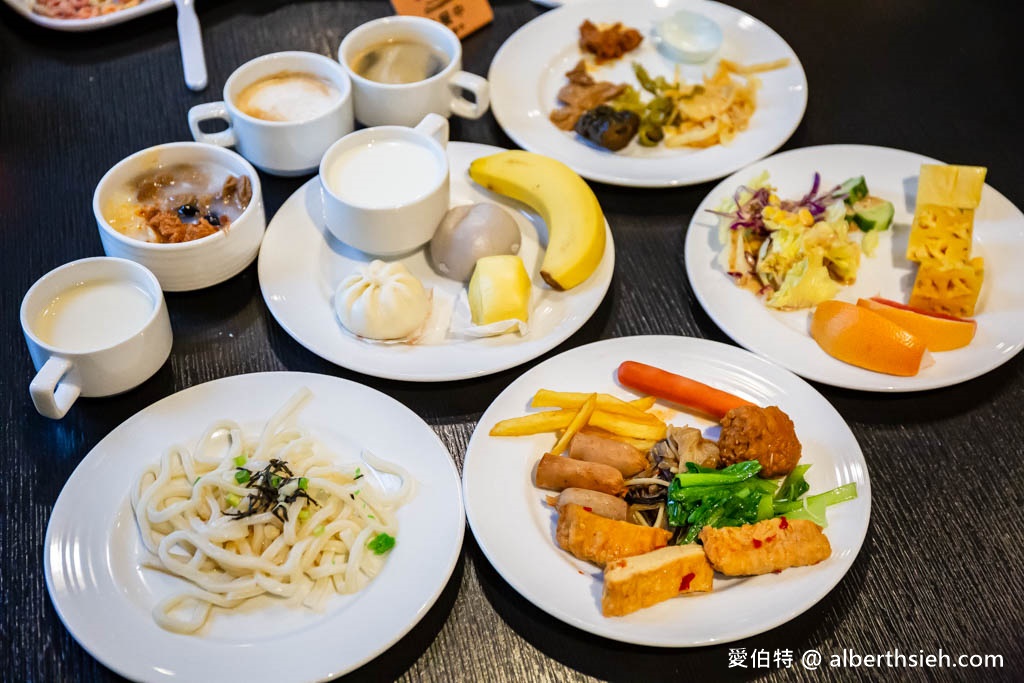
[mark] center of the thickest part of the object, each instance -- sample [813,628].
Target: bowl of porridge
[190,212]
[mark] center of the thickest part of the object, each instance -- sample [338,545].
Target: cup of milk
[283,110]
[94,327]
[386,189]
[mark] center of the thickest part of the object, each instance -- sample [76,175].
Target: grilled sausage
[623,457]
[557,473]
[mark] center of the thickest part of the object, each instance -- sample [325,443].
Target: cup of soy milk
[283,110]
[385,189]
[94,327]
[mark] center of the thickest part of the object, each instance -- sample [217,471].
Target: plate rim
[628,181]
[24,8]
[95,454]
[822,377]
[546,347]
[864,491]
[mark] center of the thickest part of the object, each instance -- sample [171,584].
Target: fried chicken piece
[609,43]
[601,540]
[763,434]
[644,580]
[581,94]
[768,546]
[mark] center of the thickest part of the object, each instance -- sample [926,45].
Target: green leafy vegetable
[735,496]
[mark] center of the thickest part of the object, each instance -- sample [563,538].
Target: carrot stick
[686,392]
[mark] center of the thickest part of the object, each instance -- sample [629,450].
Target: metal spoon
[190,38]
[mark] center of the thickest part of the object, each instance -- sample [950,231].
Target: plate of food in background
[666,491]
[648,94]
[285,512]
[486,293]
[84,15]
[862,267]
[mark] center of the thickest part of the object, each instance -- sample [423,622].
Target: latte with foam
[288,96]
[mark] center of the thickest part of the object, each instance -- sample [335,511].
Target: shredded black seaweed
[266,485]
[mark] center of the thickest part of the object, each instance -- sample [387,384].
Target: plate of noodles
[295,512]
[556,91]
[84,15]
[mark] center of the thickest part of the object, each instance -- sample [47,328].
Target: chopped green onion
[240,460]
[381,543]
[242,476]
[232,500]
[370,517]
[275,481]
[318,530]
[303,514]
[303,483]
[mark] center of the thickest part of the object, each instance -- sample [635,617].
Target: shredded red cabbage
[747,215]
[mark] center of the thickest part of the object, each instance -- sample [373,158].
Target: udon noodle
[239,517]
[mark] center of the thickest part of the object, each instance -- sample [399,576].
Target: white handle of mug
[52,392]
[463,80]
[207,112]
[435,126]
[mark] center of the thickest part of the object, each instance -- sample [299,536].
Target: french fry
[578,422]
[546,398]
[535,423]
[648,429]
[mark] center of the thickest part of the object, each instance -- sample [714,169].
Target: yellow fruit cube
[953,186]
[950,288]
[499,290]
[941,233]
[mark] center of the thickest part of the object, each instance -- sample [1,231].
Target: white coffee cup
[413,191]
[403,104]
[285,148]
[127,340]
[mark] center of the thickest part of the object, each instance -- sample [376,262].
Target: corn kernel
[790,219]
[774,200]
[806,218]
[770,212]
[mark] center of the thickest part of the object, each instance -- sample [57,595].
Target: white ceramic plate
[529,69]
[301,264]
[104,598]
[515,527]
[891,174]
[24,8]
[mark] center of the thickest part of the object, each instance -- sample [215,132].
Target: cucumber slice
[872,213]
[855,189]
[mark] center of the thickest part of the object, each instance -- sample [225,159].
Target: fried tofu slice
[640,581]
[601,540]
[768,546]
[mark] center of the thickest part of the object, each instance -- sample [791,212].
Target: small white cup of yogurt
[386,189]
[94,327]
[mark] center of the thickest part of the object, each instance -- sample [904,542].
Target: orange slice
[940,332]
[861,337]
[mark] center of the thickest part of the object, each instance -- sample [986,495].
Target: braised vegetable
[735,496]
[608,127]
[678,389]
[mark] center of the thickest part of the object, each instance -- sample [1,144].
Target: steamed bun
[382,301]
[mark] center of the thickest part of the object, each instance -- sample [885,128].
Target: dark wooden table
[942,563]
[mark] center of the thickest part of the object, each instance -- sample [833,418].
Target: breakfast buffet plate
[515,527]
[529,69]
[783,336]
[26,9]
[104,596]
[301,265]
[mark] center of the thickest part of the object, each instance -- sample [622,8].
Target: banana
[576,228]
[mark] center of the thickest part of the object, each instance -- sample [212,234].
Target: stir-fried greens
[735,496]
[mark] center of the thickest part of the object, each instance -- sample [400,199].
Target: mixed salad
[799,252]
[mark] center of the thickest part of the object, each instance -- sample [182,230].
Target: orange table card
[461,16]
